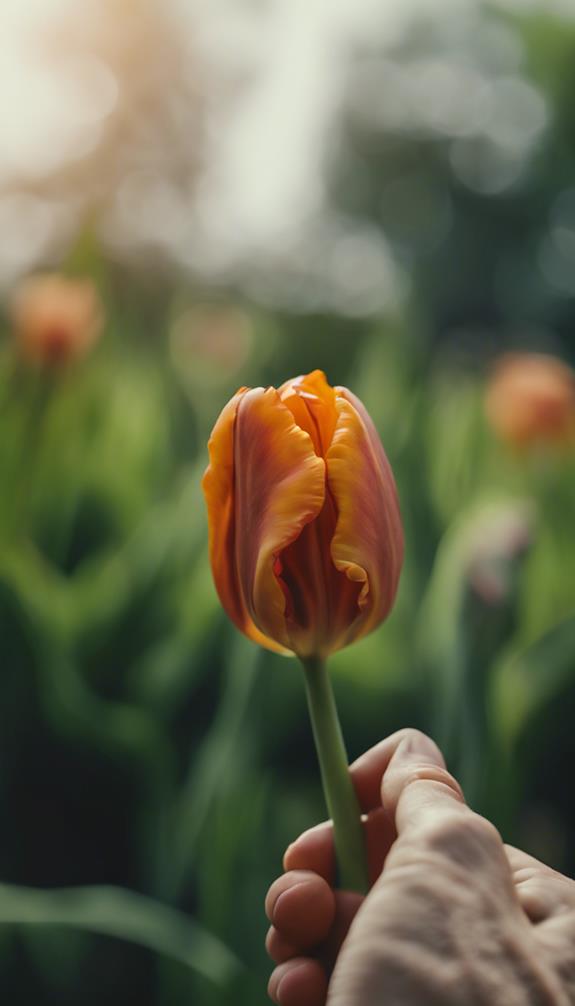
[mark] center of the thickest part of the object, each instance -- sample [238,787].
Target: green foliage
[122,914]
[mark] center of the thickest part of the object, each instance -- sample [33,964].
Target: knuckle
[526,874]
[465,838]
[484,832]
[426,772]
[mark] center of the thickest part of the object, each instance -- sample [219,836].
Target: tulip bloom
[306,542]
[531,400]
[55,319]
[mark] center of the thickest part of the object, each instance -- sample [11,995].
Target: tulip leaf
[126,915]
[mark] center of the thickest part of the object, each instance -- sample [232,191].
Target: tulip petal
[322,601]
[280,487]
[311,400]
[368,541]
[218,486]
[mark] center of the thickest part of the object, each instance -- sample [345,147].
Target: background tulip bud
[55,319]
[531,400]
[306,542]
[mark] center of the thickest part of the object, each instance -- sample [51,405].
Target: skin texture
[454,917]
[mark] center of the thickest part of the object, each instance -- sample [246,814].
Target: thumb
[416,783]
[432,820]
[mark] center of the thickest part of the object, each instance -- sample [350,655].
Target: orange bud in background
[306,542]
[55,319]
[531,400]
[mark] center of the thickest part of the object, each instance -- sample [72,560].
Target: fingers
[299,982]
[543,893]
[314,850]
[278,948]
[295,931]
[301,979]
[522,864]
[415,782]
[308,916]
[301,907]
[369,769]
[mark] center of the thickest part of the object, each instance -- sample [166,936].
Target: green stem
[31,448]
[338,789]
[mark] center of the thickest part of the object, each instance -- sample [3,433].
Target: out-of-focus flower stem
[338,789]
[31,448]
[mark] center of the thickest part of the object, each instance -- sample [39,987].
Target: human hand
[453,918]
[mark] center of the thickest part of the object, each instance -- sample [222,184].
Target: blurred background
[199,195]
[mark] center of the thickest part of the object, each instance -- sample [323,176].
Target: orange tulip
[531,400]
[55,319]
[306,542]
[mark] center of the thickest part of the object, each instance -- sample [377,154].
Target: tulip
[306,545]
[530,401]
[55,319]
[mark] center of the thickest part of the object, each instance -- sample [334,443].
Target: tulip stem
[340,797]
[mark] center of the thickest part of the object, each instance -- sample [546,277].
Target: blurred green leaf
[114,911]
[528,680]
[469,615]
